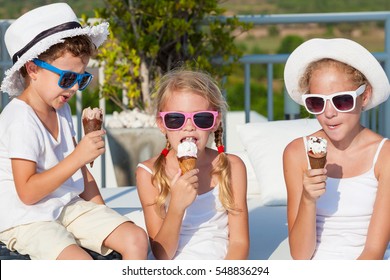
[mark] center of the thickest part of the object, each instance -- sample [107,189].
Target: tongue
[189,139]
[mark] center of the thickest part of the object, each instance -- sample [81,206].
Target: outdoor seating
[266,196]
[266,189]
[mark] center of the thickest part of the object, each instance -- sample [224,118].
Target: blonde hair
[357,78]
[200,83]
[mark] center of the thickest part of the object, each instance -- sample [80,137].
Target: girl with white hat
[341,211]
[51,207]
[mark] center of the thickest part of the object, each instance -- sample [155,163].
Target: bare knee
[74,252]
[129,240]
[136,244]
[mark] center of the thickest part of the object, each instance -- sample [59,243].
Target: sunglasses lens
[84,82]
[174,120]
[315,104]
[68,79]
[343,102]
[204,120]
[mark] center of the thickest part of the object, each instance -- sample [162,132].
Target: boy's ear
[31,69]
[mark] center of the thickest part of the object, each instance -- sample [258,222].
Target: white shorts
[81,222]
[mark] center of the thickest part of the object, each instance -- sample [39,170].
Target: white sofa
[263,144]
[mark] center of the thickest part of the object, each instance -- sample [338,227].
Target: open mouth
[333,126]
[65,98]
[189,139]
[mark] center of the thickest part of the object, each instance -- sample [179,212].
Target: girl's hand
[90,147]
[184,189]
[314,184]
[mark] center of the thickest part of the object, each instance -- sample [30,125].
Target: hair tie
[221,149]
[164,152]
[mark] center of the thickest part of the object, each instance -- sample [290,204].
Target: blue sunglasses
[67,78]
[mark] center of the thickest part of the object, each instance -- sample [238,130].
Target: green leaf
[163,34]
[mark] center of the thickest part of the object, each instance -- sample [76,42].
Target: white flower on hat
[36,31]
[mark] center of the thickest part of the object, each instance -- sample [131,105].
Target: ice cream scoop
[187,155]
[92,121]
[316,150]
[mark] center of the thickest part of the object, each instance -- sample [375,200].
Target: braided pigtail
[223,171]
[202,84]
[160,179]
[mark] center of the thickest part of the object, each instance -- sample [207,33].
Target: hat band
[43,35]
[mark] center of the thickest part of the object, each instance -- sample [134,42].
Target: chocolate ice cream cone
[316,150]
[92,125]
[92,121]
[317,160]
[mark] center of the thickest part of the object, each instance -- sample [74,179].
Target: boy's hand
[91,146]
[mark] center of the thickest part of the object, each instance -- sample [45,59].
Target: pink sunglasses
[203,120]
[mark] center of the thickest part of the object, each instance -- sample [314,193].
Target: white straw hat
[340,49]
[38,30]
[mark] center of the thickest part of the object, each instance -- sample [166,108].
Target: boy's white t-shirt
[22,135]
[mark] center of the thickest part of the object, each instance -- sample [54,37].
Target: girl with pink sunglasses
[201,214]
[341,211]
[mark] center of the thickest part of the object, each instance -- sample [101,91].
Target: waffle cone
[187,163]
[317,161]
[91,125]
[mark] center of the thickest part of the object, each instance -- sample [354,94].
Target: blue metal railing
[375,118]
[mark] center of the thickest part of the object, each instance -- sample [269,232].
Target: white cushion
[265,143]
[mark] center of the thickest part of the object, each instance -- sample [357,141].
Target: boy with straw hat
[51,207]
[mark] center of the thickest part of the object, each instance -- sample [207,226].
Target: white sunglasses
[343,102]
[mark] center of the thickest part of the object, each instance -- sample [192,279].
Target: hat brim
[340,49]
[13,82]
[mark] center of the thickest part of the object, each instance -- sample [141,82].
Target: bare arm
[238,221]
[32,187]
[164,232]
[304,187]
[378,236]
[91,191]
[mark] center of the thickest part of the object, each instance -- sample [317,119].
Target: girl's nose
[330,111]
[189,124]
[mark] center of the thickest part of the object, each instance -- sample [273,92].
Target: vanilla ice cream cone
[187,155]
[316,151]
[92,121]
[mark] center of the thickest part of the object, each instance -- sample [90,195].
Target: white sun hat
[340,49]
[36,31]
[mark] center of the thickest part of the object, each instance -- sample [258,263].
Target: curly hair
[80,46]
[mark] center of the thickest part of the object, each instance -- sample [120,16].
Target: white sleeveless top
[204,233]
[343,215]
